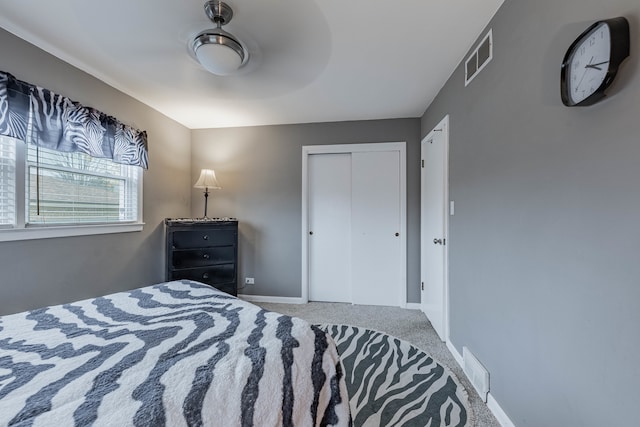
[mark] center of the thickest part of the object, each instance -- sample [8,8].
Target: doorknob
[437,241]
[397,234]
[311,233]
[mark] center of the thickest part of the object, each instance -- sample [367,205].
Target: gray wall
[260,170]
[42,272]
[544,244]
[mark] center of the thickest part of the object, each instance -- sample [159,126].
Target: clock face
[589,63]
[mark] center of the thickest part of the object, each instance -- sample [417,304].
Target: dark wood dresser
[205,250]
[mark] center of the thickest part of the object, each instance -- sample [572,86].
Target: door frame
[308,150]
[441,128]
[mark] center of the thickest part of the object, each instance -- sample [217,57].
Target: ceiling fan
[217,50]
[288,57]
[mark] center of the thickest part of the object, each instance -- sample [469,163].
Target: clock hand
[583,74]
[596,65]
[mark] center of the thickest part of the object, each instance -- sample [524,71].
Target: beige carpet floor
[409,325]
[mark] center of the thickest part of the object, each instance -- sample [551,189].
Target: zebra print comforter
[174,354]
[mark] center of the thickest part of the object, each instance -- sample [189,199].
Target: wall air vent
[477,374]
[479,58]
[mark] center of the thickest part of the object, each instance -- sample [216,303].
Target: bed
[174,354]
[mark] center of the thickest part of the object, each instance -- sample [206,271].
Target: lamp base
[206,201]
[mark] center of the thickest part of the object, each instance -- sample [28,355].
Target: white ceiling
[311,60]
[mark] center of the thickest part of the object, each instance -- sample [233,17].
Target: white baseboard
[294,300]
[497,411]
[277,300]
[492,403]
[455,353]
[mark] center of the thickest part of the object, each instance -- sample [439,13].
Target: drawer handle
[205,237]
[205,276]
[205,256]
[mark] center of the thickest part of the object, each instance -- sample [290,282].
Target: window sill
[9,235]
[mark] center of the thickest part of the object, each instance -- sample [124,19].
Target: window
[7,182]
[66,169]
[42,188]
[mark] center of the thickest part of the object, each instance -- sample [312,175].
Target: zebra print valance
[38,116]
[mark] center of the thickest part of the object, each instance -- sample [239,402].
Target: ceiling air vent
[479,58]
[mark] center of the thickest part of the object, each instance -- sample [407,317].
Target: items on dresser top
[205,219]
[203,249]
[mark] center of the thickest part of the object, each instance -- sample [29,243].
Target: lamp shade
[207,180]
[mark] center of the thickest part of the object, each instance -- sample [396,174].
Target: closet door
[355,227]
[329,181]
[376,271]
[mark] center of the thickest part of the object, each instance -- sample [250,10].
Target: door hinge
[422,286]
[422,162]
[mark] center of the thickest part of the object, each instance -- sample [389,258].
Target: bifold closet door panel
[329,183]
[376,269]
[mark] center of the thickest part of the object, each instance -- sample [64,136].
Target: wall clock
[592,61]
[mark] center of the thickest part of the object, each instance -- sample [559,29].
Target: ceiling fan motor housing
[217,50]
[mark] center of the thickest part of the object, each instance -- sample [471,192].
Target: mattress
[174,354]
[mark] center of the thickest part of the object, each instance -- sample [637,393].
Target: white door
[375,227]
[329,180]
[433,225]
[354,222]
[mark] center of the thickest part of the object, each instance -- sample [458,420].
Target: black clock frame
[620,41]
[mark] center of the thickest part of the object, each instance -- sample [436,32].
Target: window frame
[23,231]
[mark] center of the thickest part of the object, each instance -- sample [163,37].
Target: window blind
[75,188]
[7,182]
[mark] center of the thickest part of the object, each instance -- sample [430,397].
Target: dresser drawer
[229,288]
[211,275]
[203,250]
[203,238]
[203,257]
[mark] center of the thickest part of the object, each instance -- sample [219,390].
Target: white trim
[140,215]
[454,353]
[474,54]
[21,184]
[445,133]
[22,231]
[403,221]
[353,148]
[498,412]
[413,306]
[277,300]
[10,235]
[305,225]
[492,403]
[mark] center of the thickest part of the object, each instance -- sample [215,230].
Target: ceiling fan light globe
[218,59]
[219,52]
